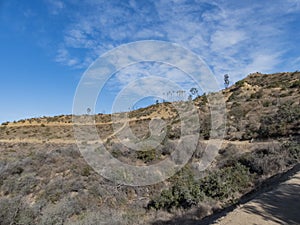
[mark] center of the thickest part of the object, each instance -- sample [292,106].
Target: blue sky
[46,45]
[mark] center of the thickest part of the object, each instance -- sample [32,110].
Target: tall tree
[226,81]
[88,110]
[194,91]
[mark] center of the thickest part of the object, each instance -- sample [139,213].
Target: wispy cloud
[55,6]
[64,57]
[231,36]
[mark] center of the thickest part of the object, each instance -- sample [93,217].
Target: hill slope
[45,180]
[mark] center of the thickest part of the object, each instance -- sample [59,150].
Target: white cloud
[64,57]
[223,39]
[231,36]
[262,62]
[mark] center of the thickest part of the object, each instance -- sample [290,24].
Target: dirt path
[279,206]
[55,124]
[37,141]
[245,145]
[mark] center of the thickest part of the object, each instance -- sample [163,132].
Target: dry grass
[42,172]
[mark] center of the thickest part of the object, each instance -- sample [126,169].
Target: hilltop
[45,180]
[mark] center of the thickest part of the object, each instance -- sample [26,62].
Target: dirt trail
[37,141]
[59,141]
[62,124]
[246,146]
[55,124]
[279,206]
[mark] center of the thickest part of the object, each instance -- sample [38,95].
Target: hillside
[45,180]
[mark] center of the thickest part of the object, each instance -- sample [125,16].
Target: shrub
[271,160]
[205,127]
[16,211]
[173,132]
[274,85]
[54,190]
[266,104]
[295,84]
[86,171]
[293,152]
[203,100]
[184,192]
[240,83]
[223,184]
[57,214]
[238,111]
[256,95]
[99,216]
[146,155]
[281,123]
[227,182]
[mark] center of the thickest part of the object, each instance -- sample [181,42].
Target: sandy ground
[279,206]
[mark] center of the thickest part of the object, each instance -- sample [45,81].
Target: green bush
[240,83]
[86,171]
[280,124]
[274,85]
[184,192]
[223,184]
[266,104]
[226,182]
[147,155]
[293,152]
